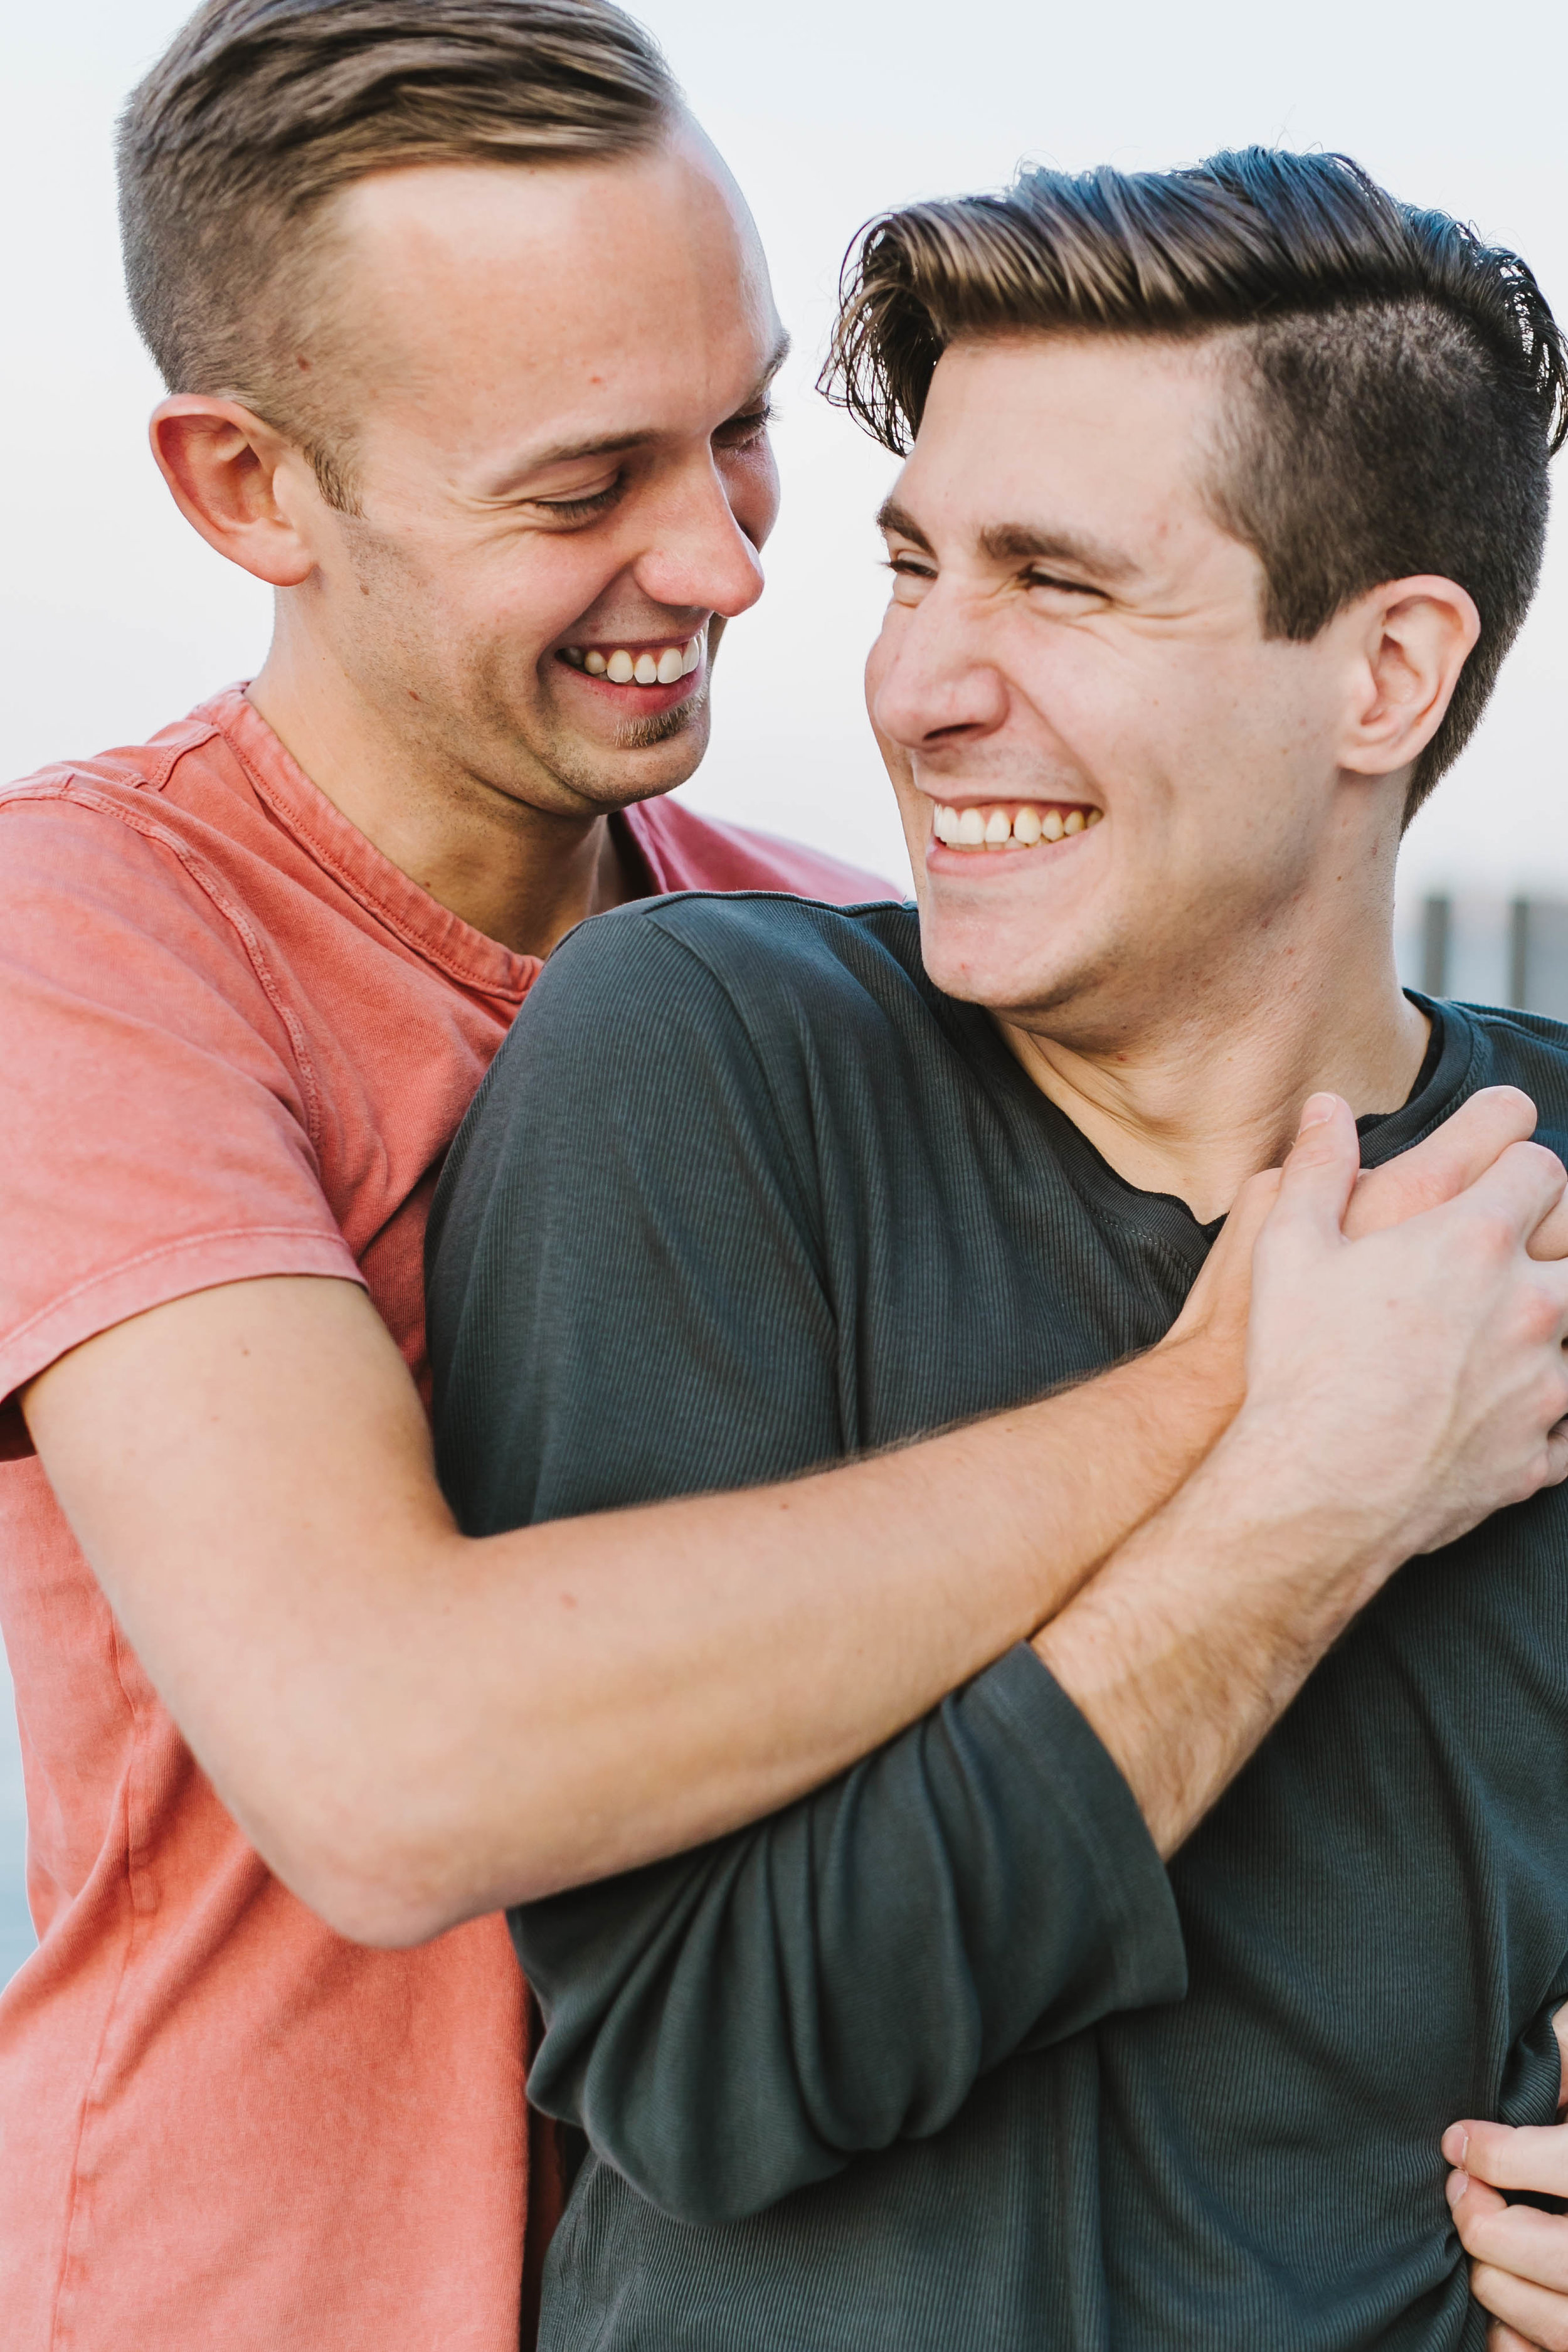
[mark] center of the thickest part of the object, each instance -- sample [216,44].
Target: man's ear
[1414,636]
[248,491]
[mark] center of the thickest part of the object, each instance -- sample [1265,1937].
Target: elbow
[393,1841]
[384,1917]
[371,1877]
[377,1897]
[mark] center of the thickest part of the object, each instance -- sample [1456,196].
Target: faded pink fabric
[237,1042]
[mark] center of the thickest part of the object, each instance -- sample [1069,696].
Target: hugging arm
[731,2024]
[414,1723]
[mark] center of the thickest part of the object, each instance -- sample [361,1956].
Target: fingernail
[1315,1111]
[1455,2143]
[1454,2187]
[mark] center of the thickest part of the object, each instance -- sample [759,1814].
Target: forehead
[1111,437]
[523,292]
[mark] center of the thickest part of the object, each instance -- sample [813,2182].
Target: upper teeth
[622,668]
[991,828]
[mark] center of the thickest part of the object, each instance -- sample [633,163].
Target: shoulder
[779,962]
[1522,1049]
[702,1013]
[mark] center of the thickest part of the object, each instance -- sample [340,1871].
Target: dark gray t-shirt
[940,2057]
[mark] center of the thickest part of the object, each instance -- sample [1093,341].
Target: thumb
[1320,1174]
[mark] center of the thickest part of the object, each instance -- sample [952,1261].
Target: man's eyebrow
[899,523]
[1023,542]
[615,444]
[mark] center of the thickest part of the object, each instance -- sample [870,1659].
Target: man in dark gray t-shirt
[1218,519]
[809,1205]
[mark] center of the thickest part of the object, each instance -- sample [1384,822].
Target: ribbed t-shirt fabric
[940,2057]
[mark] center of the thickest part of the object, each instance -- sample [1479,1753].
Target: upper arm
[247,1470]
[156,1119]
[626,1299]
[212,1414]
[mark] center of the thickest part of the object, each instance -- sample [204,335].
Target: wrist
[1292,1509]
[1209,1370]
[1198,1633]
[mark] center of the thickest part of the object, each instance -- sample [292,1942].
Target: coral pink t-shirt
[236,1042]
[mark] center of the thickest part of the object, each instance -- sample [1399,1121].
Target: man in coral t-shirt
[467,338]
[495,428]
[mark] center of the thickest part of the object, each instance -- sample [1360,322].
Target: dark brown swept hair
[1403,385]
[260,110]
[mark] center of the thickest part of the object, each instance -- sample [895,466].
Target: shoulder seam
[73,790]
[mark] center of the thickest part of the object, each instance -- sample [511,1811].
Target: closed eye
[1063,587]
[740,432]
[582,509]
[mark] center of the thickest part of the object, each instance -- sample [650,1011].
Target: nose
[929,683]
[698,555]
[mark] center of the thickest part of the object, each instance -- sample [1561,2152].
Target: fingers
[1549,1239]
[1503,2155]
[1522,1187]
[1500,2337]
[1556,1471]
[1518,2269]
[1538,2317]
[1218,1303]
[1446,1164]
[1251,1206]
[1319,1175]
[1531,2245]
[1560,2027]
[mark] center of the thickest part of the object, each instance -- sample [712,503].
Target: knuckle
[1540,1316]
[1540,1164]
[1493,1237]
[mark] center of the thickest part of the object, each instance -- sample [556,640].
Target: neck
[519,874]
[1208,1093]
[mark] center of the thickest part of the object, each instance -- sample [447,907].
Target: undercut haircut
[262,110]
[1397,386]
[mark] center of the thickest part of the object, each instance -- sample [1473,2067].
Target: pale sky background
[115,618]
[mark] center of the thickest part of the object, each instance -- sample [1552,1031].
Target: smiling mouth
[637,666]
[998,825]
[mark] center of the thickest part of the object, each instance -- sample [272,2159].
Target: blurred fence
[1488,950]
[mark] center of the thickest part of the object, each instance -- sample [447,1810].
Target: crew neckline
[466,955]
[1439,1085]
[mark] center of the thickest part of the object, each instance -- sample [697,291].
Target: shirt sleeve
[156,1110]
[627,1301]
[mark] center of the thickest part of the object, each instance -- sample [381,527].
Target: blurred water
[16,1937]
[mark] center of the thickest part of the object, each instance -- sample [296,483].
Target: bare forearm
[719,1657]
[1196,1637]
[415,1727]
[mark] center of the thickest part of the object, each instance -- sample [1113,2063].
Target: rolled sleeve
[732,2024]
